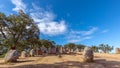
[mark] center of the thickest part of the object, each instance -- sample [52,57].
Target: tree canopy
[17,30]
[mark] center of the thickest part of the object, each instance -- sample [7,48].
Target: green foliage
[95,48]
[74,46]
[59,46]
[70,46]
[18,30]
[47,43]
[80,46]
[105,48]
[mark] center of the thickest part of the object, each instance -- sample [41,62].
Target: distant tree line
[100,48]
[72,46]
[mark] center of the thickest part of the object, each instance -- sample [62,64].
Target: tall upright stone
[49,50]
[23,54]
[11,56]
[88,55]
[53,50]
[32,52]
[117,50]
[61,50]
[77,50]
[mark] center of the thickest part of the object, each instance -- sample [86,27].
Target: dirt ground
[66,61]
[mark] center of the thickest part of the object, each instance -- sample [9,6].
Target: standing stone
[32,52]
[44,50]
[49,50]
[39,51]
[71,50]
[64,50]
[57,51]
[23,54]
[61,50]
[77,50]
[88,55]
[53,50]
[117,50]
[11,56]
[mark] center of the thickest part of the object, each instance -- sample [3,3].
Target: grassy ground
[66,61]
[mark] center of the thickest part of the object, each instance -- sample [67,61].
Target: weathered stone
[117,50]
[49,50]
[77,50]
[61,50]
[11,56]
[64,50]
[23,54]
[88,55]
[44,49]
[53,50]
[39,51]
[32,52]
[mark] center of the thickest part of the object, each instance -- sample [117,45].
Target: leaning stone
[88,55]
[11,56]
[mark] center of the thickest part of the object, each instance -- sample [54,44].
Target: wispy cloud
[78,36]
[18,5]
[84,33]
[105,31]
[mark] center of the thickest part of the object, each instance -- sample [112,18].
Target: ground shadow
[16,62]
[101,63]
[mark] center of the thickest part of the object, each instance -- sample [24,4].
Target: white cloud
[18,5]
[105,31]
[52,28]
[91,31]
[46,23]
[78,36]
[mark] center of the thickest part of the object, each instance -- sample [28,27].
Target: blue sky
[89,22]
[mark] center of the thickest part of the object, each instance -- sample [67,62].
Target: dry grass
[66,61]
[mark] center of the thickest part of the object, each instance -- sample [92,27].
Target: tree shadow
[108,64]
[16,62]
[101,63]
[24,61]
